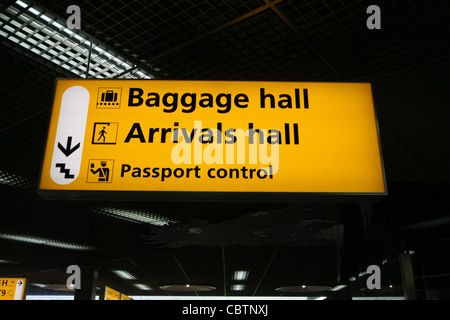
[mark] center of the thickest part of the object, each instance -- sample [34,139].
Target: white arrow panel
[68,148]
[20,286]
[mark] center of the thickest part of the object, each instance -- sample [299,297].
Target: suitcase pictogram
[109,96]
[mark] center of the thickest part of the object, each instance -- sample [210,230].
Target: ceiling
[280,244]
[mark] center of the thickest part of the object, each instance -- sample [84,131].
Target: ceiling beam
[214,31]
[224,273]
[302,38]
[266,269]
[184,272]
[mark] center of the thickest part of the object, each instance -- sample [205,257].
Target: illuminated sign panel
[12,288]
[111,294]
[212,139]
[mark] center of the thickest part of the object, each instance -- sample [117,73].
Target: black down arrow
[68,150]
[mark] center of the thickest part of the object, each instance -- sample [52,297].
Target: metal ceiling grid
[46,35]
[324,19]
[266,47]
[28,78]
[203,266]
[216,267]
[25,113]
[149,29]
[163,269]
[413,72]
[414,155]
[305,264]
[255,260]
[249,50]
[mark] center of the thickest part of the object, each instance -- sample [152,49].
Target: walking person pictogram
[105,133]
[102,134]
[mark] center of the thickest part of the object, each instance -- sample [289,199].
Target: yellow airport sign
[124,297]
[111,294]
[162,139]
[12,288]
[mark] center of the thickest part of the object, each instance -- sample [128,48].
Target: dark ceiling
[280,244]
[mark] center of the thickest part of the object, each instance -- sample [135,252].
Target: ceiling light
[240,275]
[187,287]
[237,287]
[137,216]
[58,287]
[28,26]
[46,242]
[304,288]
[8,261]
[338,287]
[14,180]
[124,274]
[142,286]
[320,298]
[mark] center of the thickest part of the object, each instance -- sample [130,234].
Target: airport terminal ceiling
[279,244]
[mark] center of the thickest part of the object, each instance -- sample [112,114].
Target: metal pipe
[89,61]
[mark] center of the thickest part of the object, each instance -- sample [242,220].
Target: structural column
[409,289]
[432,294]
[89,277]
